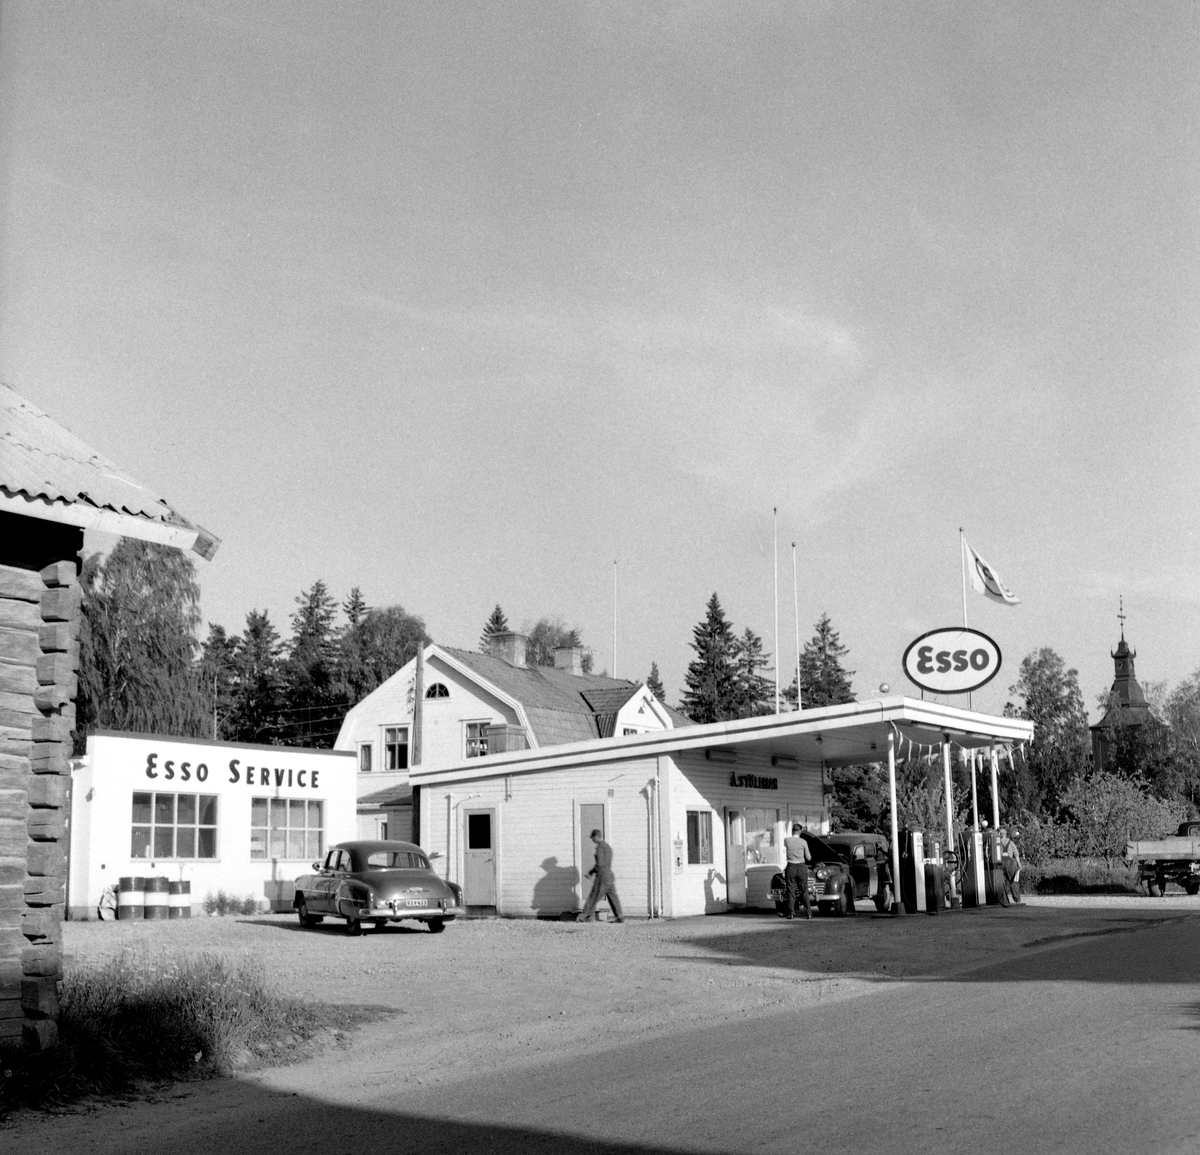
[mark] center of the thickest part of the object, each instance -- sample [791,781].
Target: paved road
[1092,1045]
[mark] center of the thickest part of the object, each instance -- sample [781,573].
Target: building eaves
[49,473]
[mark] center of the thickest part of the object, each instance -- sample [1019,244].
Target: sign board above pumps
[955,660]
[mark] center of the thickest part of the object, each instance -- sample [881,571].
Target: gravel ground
[491,992]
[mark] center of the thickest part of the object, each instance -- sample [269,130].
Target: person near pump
[1010,861]
[604,884]
[795,873]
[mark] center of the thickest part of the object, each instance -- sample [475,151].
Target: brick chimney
[508,647]
[569,658]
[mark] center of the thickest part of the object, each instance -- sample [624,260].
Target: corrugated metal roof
[42,460]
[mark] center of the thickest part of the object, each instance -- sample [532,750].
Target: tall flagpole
[614,673]
[775,516]
[962,559]
[796,614]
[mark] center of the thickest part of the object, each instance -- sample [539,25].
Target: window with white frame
[437,690]
[287,828]
[365,753]
[699,836]
[476,738]
[174,826]
[395,748]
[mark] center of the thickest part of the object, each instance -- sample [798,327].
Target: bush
[1078,876]
[222,903]
[157,1017]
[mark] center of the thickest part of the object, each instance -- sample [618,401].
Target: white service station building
[244,819]
[695,816]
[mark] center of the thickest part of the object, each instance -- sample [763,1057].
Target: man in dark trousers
[796,872]
[604,885]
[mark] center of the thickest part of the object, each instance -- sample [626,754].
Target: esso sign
[952,661]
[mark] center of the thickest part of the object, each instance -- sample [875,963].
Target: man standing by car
[605,885]
[796,872]
[1010,860]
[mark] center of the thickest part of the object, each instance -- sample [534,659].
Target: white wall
[539,855]
[118,766]
[698,784]
[444,720]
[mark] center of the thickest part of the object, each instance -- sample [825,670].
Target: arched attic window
[437,690]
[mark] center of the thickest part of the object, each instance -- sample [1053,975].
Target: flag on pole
[985,580]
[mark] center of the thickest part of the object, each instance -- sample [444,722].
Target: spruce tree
[496,624]
[654,683]
[711,679]
[755,694]
[824,681]
[258,697]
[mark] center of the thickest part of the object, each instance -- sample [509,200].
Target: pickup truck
[1164,860]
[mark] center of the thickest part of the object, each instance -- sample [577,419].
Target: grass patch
[148,1019]
[1078,876]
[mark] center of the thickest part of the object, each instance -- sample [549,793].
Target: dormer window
[437,690]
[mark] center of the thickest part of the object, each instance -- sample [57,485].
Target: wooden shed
[52,488]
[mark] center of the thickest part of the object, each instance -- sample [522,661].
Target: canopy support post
[897,905]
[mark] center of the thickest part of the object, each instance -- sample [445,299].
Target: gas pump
[912,870]
[993,870]
[973,876]
[935,880]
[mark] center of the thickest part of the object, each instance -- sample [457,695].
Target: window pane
[140,847]
[164,841]
[164,809]
[207,843]
[314,845]
[186,810]
[278,844]
[295,844]
[278,813]
[208,813]
[296,815]
[706,836]
[693,836]
[364,759]
[314,815]
[141,808]
[185,842]
[258,812]
[258,844]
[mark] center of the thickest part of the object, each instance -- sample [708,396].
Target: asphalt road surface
[1086,1044]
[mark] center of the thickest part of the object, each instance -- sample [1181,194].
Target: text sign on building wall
[955,660]
[753,782]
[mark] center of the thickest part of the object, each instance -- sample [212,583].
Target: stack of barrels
[151,898]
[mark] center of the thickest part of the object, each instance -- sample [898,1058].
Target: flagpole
[775,516]
[796,615]
[962,561]
[614,673]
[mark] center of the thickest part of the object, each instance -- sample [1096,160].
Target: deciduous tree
[138,643]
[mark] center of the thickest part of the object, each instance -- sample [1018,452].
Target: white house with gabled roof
[473,705]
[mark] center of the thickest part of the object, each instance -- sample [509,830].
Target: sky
[487,303]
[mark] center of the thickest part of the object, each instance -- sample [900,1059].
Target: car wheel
[883,900]
[354,926]
[306,919]
[1192,887]
[437,925]
[841,905]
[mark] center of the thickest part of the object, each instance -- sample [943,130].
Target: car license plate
[417,902]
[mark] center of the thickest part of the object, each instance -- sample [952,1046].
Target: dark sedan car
[846,867]
[376,882]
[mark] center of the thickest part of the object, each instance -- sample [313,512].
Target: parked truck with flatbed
[1163,860]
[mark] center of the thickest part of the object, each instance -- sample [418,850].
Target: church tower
[1127,704]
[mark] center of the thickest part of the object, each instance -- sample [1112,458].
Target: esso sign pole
[955,660]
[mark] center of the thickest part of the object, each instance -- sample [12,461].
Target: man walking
[604,884]
[796,872]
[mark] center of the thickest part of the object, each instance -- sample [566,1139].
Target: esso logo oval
[952,661]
